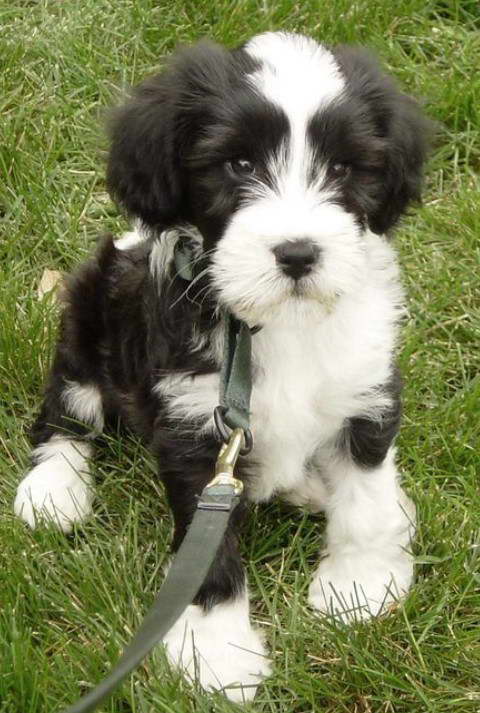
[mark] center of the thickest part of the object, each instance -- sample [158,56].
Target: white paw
[57,490]
[219,649]
[354,587]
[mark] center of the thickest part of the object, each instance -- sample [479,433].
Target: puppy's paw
[352,588]
[219,649]
[57,490]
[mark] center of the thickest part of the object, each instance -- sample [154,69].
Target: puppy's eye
[340,170]
[241,167]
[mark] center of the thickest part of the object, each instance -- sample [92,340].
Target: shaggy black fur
[119,335]
[367,440]
[380,134]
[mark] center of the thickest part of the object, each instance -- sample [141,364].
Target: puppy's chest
[287,374]
[307,379]
[298,381]
[301,382]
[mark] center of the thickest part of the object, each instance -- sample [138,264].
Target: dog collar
[233,410]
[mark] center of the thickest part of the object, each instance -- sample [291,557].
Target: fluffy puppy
[283,164]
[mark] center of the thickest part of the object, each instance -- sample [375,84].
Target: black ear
[407,134]
[143,174]
[151,134]
[399,122]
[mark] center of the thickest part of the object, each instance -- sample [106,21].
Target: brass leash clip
[226,461]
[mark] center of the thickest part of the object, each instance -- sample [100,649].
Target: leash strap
[184,579]
[236,376]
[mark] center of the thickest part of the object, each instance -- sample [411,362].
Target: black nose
[297,257]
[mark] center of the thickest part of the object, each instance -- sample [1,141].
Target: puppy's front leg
[367,564]
[214,641]
[58,488]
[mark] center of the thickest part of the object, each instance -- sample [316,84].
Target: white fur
[327,367]
[314,367]
[311,493]
[161,255]
[292,65]
[367,565]
[220,649]
[163,249]
[245,270]
[84,403]
[58,489]
[132,238]
[190,397]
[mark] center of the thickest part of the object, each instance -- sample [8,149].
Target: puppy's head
[283,153]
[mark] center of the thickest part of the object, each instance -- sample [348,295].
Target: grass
[68,604]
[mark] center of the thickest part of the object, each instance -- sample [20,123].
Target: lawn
[69,604]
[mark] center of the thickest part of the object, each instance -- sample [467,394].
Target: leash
[187,573]
[214,507]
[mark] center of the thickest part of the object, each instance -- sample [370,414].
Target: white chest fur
[313,368]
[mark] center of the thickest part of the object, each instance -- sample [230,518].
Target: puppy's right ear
[143,174]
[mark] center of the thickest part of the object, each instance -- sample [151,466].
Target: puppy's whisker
[190,285]
[191,263]
[208,291]
[195,301]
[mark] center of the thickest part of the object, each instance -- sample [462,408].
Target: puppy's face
[283,154]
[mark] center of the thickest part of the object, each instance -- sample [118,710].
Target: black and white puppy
[284,163]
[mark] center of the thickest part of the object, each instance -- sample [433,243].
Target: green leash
[235,380]
[214,508]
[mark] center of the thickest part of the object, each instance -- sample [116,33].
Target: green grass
[68,604]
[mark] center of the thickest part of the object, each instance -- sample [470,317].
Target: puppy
[283,164]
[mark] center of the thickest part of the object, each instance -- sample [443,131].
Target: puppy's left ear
[403,128]
[408,136]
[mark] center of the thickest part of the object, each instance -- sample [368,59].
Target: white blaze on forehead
[300,76]
[297,73]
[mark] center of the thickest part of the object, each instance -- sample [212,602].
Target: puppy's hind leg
[214,641]
[58,488]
